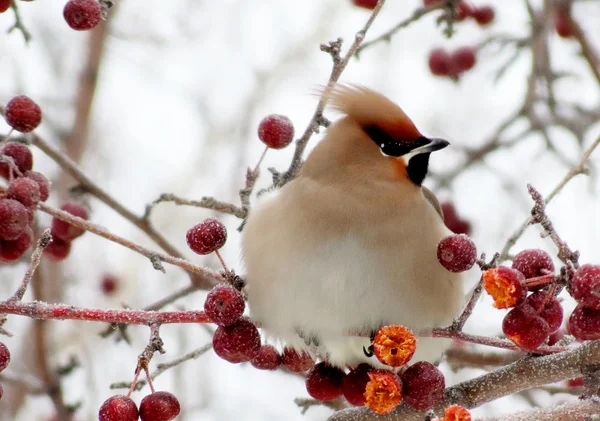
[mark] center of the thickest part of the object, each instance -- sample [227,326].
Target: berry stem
[36,257]
[149,378]
[260,160]
[10,132]
[134,381]
[538,281]
[221,260]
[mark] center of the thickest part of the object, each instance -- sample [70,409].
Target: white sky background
[181,90]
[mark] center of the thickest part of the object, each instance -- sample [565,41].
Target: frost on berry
[224,305]
[440,63]
[584,324]
[58,249]
[394,345]
[422,385]
[4,356]
[367,4]
[585,286]
[548,307]
[525,327]
[118,408]
[237,343]
[457,413]
[159,406]
[463,59]
[483,15]
[457,253]
[24,190]
[276,131]
[13,219]
[533,263]
[11,250]
[4,5]
[354,384]
[454,222]
[82,15]
[296,362]
[42,182]
[21,156]
[504,285]
[64,230]
[383,392]
[208,236]
[324,382]
[267,358]
[22,114]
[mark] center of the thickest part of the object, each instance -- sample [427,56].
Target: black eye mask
[390,146]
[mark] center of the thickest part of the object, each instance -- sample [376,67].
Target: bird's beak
[431,146]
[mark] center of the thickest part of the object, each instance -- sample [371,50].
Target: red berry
[24,190]
[208,236]
[4,5]
[457,253]
[575,383]
[584,324]
[525,327]
[82,15]
[21,156]
[11,250]
[109,284]
[354,384]
[13,219]
[159,406]
[267,358]
[237,343]
[296,362]
[556,336]
[58,249]
[551,312]
[224,305]
[585,286]
[4,356]
[454,222]
[22,114]
[463,59]
[42,181]
[64,230]
[463,11]
[324,382]
[483,15]
[562,24]
[440,63]
[118,408]
[422,385]
[533,263]
[367,4]
[276,131]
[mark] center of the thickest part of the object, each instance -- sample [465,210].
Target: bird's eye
[388,145]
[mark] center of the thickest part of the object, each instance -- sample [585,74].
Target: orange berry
[394,345]
[384,391]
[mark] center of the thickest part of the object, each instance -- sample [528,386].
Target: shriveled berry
[159,406]
[483,15]
[267,358]
[324,382]
[13,219]
[4,356]
[505,286]
[457,413]
[457,253]
[22,114]
[24,190]
[224,305]
[64,230]
[533,263]
[463,11]
[296,362]
[422,385]
[367,4]
[453,221]
[109,284]
[584,324]
[383,392]
[562,24]
[21,156]
[440,63]
[82,15]
[118,408]
[4,5]
[354,384]
[524,326]
[237,343]
[11,250]
[394,345]
[276,131]
[208,236]
[42,181]
[585,286]
[463,59]
[548,307]
[58,249]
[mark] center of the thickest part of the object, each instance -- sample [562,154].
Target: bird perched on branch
[350,245]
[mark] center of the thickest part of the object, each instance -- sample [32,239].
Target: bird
[350,244]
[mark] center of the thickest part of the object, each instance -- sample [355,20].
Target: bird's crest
[371,109]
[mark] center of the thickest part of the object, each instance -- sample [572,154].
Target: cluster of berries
[157,406]
[4,360]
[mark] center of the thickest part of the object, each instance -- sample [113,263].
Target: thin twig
[36,257]
[19,23]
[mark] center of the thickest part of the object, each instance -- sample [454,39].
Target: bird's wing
[433,200]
